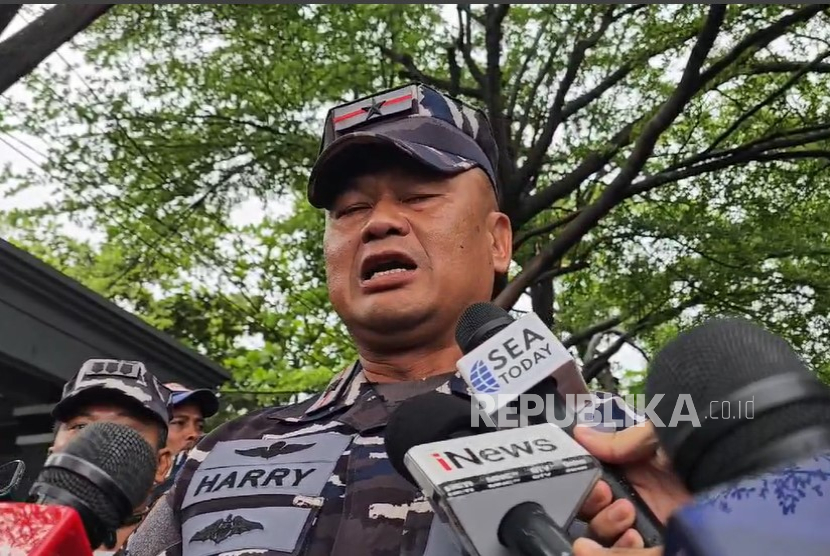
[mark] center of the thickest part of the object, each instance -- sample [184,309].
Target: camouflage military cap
[433,128]
[113,380]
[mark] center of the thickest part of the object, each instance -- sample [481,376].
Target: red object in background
[37,530]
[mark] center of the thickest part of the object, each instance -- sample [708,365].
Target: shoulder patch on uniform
[277,529]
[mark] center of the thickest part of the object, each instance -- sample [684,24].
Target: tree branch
[760,39]
[7,13]
[562,271]
[555,115]
[783,67]
[690,82]
[767,101]
[654,318]
[494,16]
[591,331]
[532,52]
[412,71]
[464,44]
[23,51]
[735,156]
[541,230]
[566,185]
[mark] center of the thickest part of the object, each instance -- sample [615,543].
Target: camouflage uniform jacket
[311,479]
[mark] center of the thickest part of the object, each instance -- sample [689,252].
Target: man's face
[110,413]
[186,427]
[405,247]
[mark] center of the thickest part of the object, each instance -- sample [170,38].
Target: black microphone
[512,490]
[104,473]
[778,410]
[507,359]
[753,443]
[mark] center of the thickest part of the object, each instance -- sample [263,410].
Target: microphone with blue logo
[756,452]
[508,362]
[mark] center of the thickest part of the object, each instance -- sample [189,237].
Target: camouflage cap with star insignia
[114,380]
[433,128]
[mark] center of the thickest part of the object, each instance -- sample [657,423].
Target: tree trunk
[23,51]
[541,295]
[7,13]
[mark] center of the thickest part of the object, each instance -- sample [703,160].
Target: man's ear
[165,460]
[502,241]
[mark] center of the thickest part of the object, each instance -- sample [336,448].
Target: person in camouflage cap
[408,180]
[122,392]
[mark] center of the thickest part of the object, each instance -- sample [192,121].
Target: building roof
[36,295]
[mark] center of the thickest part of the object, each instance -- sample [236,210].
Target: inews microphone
[506,359]
[505,492]
[82,495]
[753,445]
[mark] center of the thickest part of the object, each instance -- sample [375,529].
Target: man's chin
[394,315]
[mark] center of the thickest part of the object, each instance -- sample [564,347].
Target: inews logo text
[623,411]
[452,460]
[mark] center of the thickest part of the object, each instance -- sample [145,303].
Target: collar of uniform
[347,387]
[341,392]
[372,410]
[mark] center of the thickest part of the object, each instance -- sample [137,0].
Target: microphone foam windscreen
[710,363]
[473,318]
[120,452]
[429,417]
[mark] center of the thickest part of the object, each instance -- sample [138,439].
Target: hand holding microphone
[636,451]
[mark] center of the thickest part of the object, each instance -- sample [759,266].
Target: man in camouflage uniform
[122,392]
[407,178]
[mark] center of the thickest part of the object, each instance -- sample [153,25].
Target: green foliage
[186,151]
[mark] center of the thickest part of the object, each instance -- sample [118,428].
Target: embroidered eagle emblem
[279,448]
[222,529]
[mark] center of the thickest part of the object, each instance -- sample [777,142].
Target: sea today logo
[617,412]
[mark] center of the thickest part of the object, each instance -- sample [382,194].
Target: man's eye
[351,209]
[77,426]
[419,198]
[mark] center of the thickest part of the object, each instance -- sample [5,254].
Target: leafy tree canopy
[663,164]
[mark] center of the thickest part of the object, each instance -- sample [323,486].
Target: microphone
[507,359]
[82,495]
[504,492]
[753,445]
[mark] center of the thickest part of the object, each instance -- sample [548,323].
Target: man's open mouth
[385,265]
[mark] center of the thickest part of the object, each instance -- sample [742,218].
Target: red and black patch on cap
[397,102]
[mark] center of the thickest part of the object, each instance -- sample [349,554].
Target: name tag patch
[307,479]
[294,466]
[276,529]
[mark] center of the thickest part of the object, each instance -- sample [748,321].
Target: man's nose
[192,433]
[386,219]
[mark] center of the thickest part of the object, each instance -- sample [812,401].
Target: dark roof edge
[73,298]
